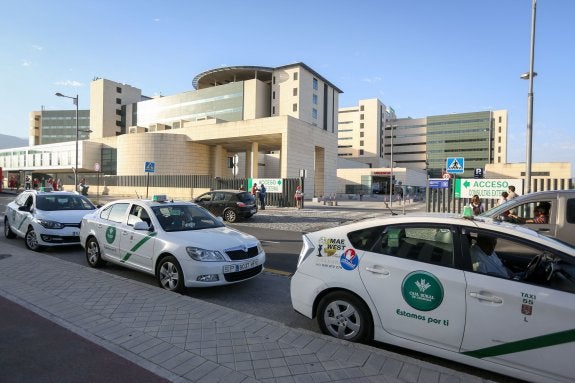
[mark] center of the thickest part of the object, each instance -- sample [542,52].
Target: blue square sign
[455,165]
[150,167]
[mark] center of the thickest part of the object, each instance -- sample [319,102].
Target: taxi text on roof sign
[484,187]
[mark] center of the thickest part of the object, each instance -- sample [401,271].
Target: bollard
[323,198]
[335,199]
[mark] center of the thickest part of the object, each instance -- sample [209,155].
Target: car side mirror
[24,208]
[141,226]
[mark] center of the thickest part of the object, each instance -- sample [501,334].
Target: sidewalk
[183,339]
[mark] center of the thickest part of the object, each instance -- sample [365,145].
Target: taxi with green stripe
[179,242]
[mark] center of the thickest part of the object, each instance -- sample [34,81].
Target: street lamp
[529,76]
[391,166]
[77,132]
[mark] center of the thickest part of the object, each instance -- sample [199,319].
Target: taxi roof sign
[160,198]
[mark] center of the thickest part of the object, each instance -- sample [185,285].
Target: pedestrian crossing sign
[150,167]
[455,165]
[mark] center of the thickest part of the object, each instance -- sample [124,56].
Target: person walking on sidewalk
[298,197]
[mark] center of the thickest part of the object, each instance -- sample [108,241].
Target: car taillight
[241,204]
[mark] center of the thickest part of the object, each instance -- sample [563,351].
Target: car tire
[93,253]
[344,316]
[230,215]
[31,240]
[170,275]
[8,233]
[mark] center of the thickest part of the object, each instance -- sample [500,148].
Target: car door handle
[489,298]
[377,270]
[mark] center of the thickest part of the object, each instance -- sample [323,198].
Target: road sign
[150,167]
[478,173]
[455,165]
[438,183]
[447,176]
[485,187]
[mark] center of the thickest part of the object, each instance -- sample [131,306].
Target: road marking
[279,272]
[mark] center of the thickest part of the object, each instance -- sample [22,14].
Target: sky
[420,57]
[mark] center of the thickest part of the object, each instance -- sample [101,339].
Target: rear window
[570,215]
[245,197]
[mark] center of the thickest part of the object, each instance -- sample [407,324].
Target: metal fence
[190,181]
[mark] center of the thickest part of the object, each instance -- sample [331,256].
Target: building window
[314,113]
[119,123]
[500,129]
[119,101]
[500,119]
[118,112]
[362,108]
[498,160]
[274,95]
[361,152]
[361,143]
[274,80]
[361,134]
[499,139]
[118,89]
[295,91]
[361,116]
[314,99]
[499,149]
[295,107]
[315,84]
[295,76]
[273,110]
[361,125]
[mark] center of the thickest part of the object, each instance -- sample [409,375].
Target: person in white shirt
[484,258]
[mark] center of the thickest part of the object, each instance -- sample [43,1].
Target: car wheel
[8,233]
[342,315]
[32,241]
[93,253]
[170,275]
[230,215]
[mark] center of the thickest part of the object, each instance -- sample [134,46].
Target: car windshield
[55,202]
[185,218]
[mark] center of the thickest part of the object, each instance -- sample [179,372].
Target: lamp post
[529,76]
[77,132]
[391,166]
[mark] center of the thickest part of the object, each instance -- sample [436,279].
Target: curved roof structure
[224,75]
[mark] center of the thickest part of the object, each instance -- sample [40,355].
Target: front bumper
[205,274]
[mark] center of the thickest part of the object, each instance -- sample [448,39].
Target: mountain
[7,142]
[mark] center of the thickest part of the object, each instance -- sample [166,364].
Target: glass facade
[467,135]
[60,126]
[223,102]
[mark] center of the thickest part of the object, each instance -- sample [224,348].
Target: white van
[558,204]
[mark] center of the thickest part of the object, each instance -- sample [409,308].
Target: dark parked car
[229,204]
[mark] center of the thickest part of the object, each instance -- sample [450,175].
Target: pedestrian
[262,196]
[477,205]
[27,183]
[12,183]
[242,188]
[511,192]
[298,197]
[35,183]
[504,198]
[255,189]
[55,184]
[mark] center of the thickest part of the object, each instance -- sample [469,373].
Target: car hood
[63,216]
[219,237]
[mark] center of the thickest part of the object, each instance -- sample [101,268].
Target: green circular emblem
[422,291]
[110,234]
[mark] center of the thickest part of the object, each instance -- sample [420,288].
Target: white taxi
[489,294]
[46,218]
[181,243]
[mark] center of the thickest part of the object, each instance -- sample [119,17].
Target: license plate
[234,268]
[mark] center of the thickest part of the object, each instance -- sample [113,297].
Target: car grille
[244,274]
[72,224]
[239,254]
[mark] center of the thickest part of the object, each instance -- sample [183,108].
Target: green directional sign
[485,187]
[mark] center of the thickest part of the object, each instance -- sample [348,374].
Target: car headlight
[260,248]
[50,224]
[204,255]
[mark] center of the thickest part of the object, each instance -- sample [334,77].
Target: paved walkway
[183,339]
